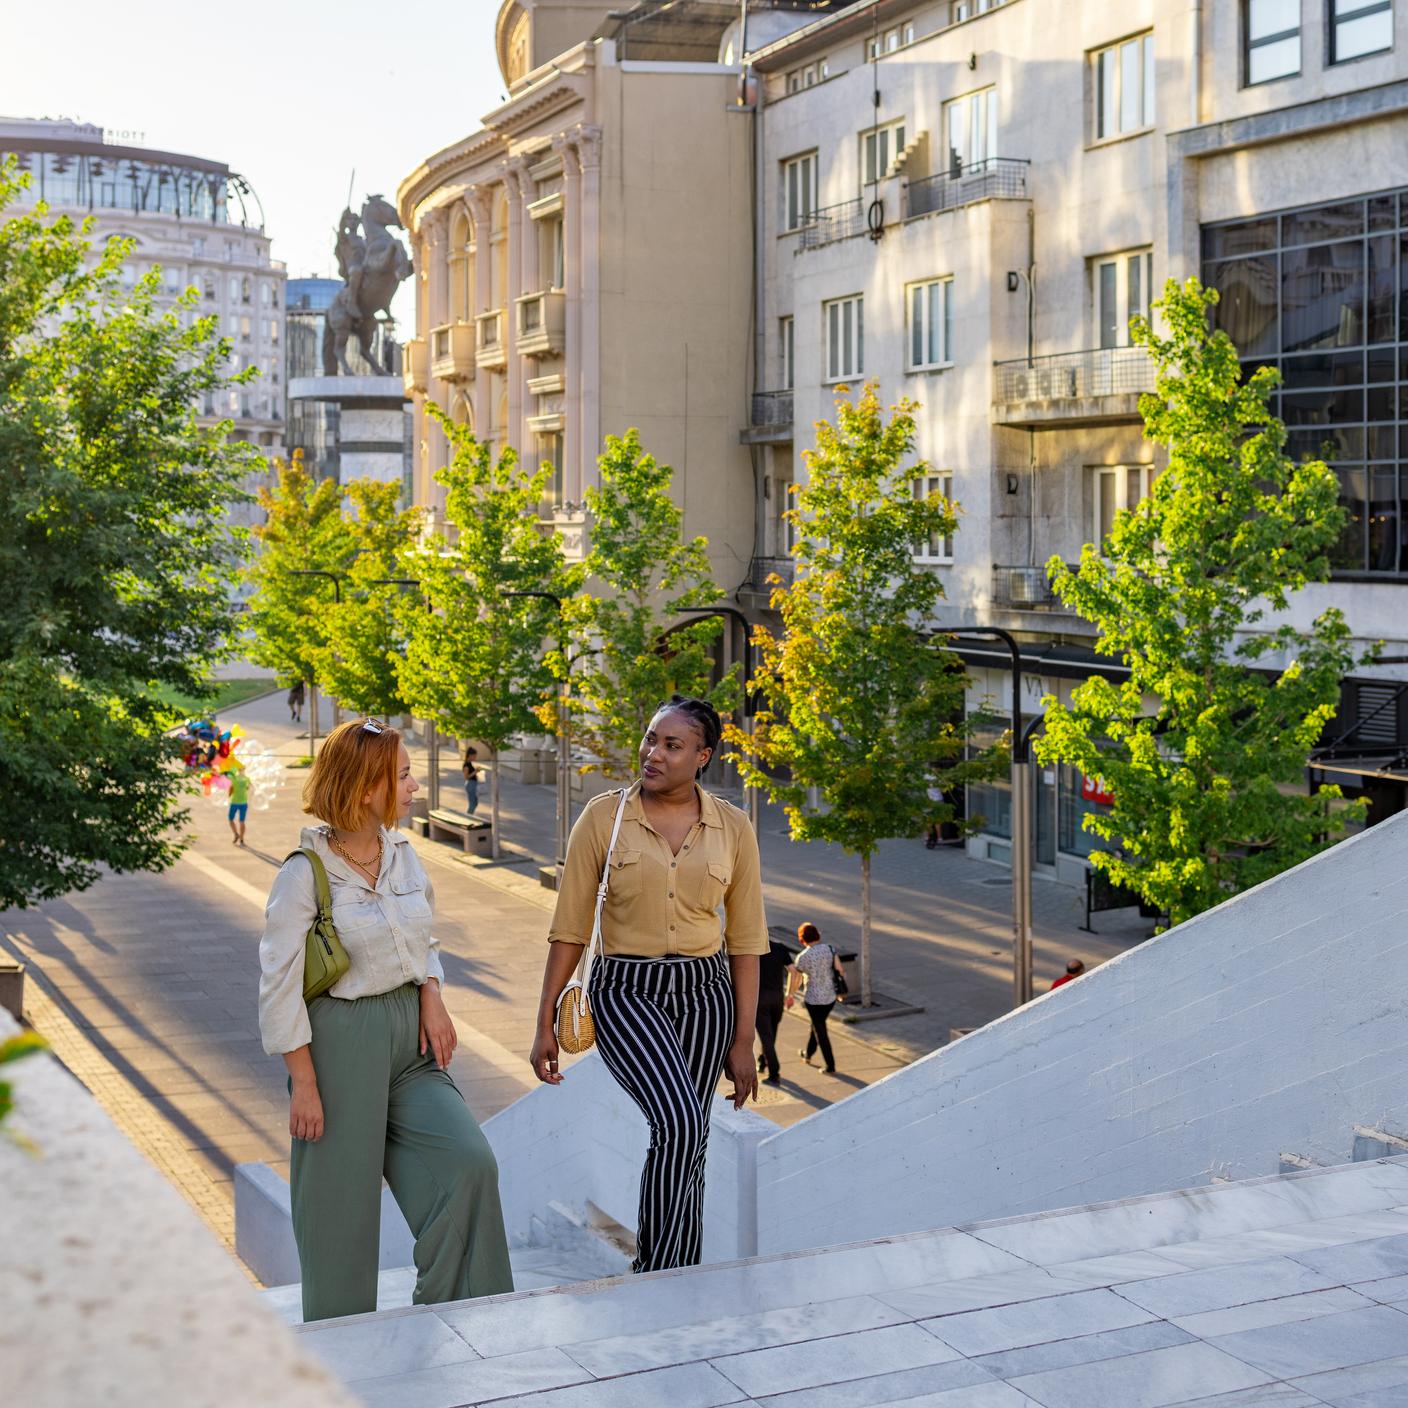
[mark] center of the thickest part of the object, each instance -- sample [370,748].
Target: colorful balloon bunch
[215,755]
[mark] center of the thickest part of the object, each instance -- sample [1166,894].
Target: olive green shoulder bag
[324,958]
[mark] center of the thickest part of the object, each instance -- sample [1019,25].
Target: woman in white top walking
[818,964]
[370,1095]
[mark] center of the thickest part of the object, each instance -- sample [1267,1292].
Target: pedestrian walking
[1073,970]
[817,966]
[239,804]
[674,998]
[772,983]
[295,702]
[370,1093]
[471,780]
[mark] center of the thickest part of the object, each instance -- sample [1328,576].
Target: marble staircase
[1281,1292]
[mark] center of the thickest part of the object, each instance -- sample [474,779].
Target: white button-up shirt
[385,930]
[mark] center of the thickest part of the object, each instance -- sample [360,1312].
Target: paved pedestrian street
[146,984]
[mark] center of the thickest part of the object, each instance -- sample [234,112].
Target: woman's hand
[305,1111]
[742,1070]
[437,1030]
[788,1001]
[545,1057]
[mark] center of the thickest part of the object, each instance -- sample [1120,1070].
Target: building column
[481,212]
[573,459]
[513,431]
[528,273]
[588,143]
[434,230]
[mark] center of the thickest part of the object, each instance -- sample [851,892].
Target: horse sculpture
[372,265]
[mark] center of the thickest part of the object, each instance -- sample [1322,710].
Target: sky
[293,96]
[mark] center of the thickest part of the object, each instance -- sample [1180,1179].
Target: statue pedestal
[371,423]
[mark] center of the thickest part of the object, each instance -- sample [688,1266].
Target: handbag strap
[595,944]
[320,879]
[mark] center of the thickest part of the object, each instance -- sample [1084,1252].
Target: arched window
[461,267]
[462,412]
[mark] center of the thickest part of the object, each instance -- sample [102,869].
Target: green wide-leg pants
[389,1111]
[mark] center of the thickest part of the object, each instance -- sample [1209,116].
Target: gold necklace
[342,850]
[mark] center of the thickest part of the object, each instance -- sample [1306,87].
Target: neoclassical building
[584,263]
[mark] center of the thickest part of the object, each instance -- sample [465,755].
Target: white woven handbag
[575,1029]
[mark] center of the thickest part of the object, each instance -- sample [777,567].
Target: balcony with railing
[758,589]
[452,352]
[1100,386]
[542,323]
[414,365]
[770,419]
[997,178]
[832,223]
[490,351]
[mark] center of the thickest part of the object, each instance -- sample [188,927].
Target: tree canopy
[1204,747]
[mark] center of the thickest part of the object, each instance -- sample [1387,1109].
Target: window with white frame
[786,354]
[930,318]
[890,41]
[1123,79]
[970,129]
[1270,39]
[878,150]
[1121,289]
[843,335]
[1359,27]
[961,10]
[798,191]
[808,76]
[939,546]
[1113,489]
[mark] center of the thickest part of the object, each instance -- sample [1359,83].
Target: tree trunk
[866,998]
[494,805]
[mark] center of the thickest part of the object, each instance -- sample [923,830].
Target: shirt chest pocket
[410,903]
[712,884]
[356,911]
[624,881]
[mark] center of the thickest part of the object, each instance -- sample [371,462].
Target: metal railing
[997,178]
[772,408]
[1024,588]
[834,222]
[762,568]
[1070,376]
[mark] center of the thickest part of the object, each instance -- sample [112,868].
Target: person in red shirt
[1073,970]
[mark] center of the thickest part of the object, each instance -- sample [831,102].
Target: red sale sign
[1093,789]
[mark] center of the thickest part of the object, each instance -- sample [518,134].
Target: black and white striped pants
[663,1027]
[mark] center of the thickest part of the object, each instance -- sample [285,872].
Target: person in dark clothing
[772,979]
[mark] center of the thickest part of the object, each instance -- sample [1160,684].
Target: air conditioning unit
[1042,389]
[1021,386]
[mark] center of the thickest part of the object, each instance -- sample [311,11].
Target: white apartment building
[199,222]
[967,201]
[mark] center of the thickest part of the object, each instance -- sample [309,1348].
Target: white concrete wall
[112,1291]
[585,1141]
[1271,1024]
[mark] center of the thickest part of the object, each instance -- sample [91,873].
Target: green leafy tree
[861,704]
[475,661]
[625,658]
[360,664]
[115,551]
[302,532]
[1204,747]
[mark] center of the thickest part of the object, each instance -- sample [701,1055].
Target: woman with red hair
[370,1094]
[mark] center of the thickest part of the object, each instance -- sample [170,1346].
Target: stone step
[1376,1144]
[1274,1283]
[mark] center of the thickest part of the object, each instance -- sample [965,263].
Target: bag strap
[320,879]
[595,944]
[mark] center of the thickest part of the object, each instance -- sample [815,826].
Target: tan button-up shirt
[659,904]
[385,930]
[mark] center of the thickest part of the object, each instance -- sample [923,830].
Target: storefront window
[1080,796]
[990,801]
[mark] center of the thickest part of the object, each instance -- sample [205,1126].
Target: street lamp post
[1021,825]
[564,747]
[752,796]
[313,695]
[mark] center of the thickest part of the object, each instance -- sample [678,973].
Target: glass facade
[1321,293]
[110,179]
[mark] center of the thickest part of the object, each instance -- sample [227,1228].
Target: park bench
[472,833]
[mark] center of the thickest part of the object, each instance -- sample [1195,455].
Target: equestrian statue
[372,264]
